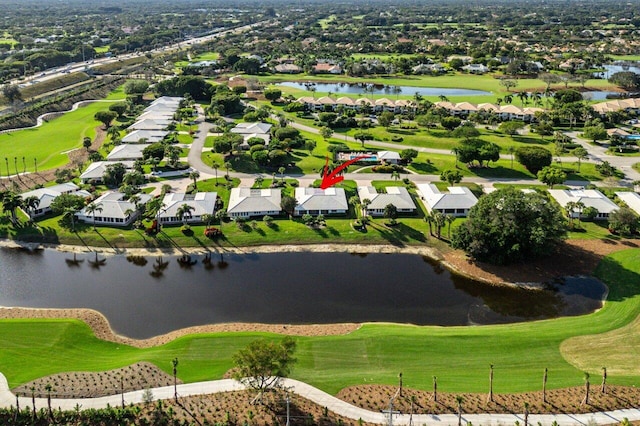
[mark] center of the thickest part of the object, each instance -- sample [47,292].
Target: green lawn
[459,356]
[51,142]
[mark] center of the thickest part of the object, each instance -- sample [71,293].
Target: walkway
[323,399]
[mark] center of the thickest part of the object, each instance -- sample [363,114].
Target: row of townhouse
[504,112]
[461,109]
[114,210]
[631,105]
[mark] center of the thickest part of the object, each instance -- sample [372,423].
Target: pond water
[144,297]
[340,89]
[611,69]
[599,95]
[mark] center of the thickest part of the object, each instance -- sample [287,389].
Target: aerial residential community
[319,213]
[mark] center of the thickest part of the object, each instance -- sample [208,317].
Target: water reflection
[143,297]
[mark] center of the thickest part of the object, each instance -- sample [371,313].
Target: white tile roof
[321,199]
[388,155]
[48,194]
[588,197]
[202,203]
[632,199]
[396,195]
[114,206]
[96,169]
[248,200]
[246,128]
[151,136]
[458,197]
[150,124]
[127,152]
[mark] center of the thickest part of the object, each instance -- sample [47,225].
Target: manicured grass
[459,356]
[50,142]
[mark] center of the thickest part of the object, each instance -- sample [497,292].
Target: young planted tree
[490,399]
[262,364]
[459,400]
[174,363]
[603,387]
[544,386]
[435,389]
[581,154]
[586,389]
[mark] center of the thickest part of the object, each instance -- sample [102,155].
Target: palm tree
[11,201]
[395,175]
[511,150]
[524,97]
[70,212]
[443,98]
[435,389]
[258,182]
[92,209]
[363,205]
[491,383]
[544,386]
[570,208]
[184,213]
[579,205]
[455,151]
[227,165]
[428,217]
[281,170]
[195,175]
[508,99]
[537,98]
[449,219]
[526,414]
[215,166]
[459,400]
[220,214]
[439,220]
[174,362]
[31,204]
[207,218]
[586,388]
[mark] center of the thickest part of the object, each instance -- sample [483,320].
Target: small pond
[143,297]
[339,89]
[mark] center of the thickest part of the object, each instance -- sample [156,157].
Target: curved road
[323,399]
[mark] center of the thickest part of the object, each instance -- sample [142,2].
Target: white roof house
[456,202]
[588,197]
[396,195]
[321,201]
[173,100]
[150,124]
[96,170]
[201,202]
[127,152]
[47,195]
[248,128]
[149,136]
[632,199]
[247,202]
[157,115]
[390,157]
[115,210]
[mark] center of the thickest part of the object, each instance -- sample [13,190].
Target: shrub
[186,230]
[212,232]
[397,138]
[387,168]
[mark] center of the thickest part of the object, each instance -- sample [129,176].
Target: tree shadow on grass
[424,168]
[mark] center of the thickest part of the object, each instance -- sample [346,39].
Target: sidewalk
[323,399]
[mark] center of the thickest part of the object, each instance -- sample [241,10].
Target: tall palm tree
[439,221]
[227,165]
[508,99]
[11,201]
[459,400]
[258,182]
[184,213]
[92,209]
[449,219]
[428,217]
[70,212]
[195,175]
[215,166]
[220,214]
[544,386]
[31,204]
[395,175]
[570,207]
[579,205]
[586,388]
[511,150]
[364,204]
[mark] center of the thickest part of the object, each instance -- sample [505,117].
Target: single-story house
[617,132]
[157,115]
[317,201]
[457,202]
[253,130]
[476,68]
[396,195]
[327,68]
[147,136]
[287,69]
[588,197]
[173,100]
[247,202]
[150,124]
[46,196]
[95,171]
[201,202]
[631,105]
[115,210]
[389,157]
[127,152]
[632,199]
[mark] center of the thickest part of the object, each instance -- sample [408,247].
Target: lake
[339,89]
[144,297]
